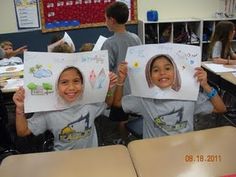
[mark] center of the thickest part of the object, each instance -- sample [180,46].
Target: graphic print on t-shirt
[76,130]
[171,121]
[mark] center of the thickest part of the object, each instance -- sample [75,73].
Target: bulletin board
[57,15]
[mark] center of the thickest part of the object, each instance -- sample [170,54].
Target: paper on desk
[11,69]
[234,73]
[99,43]
[219,68]
[13,84]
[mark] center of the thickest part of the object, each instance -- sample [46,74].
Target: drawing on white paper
[100,81]
[42,70]
[178,61]
[43,88]
[92,78]
[39,72]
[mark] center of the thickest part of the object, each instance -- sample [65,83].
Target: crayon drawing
[42,71]
[183,58]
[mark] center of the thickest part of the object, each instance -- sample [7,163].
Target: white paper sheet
[42,70]
[186,57]
[11,69]
[219,68]
[66,38]
[99,43]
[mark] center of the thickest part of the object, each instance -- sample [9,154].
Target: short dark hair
[119,11]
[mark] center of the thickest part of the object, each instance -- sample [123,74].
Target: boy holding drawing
[165,116]
[72,127]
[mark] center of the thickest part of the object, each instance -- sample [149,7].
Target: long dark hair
[222,32]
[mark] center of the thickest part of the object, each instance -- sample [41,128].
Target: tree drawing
[47,87]
[32,70]
[38,66]
[32,86]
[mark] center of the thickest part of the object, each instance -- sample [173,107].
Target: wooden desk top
[229,77]
[206,153]
[107,161]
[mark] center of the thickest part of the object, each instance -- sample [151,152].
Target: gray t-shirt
[117,46]
[73,128]
[166,117]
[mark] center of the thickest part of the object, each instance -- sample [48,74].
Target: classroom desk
[228,82]
[224,81]
[205,153]
[107,161]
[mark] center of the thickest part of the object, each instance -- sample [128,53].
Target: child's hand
[19,97]
[122,72]
[201,76]
[113,80]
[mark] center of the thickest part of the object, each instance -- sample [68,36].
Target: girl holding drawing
[220,50]
[73,127]
[165,116]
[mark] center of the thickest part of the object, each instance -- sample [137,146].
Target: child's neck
[119,29]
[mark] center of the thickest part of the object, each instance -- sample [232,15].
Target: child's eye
[77,81]
[63,82]
[155,70]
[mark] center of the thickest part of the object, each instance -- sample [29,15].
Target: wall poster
[57,15]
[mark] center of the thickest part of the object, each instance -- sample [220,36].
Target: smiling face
[70,84]
[162,72]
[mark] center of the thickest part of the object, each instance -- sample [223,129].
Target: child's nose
[162,71]
[71,86]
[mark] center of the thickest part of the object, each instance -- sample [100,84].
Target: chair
[135,127]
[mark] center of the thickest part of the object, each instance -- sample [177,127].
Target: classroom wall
[167,9]
[180,9]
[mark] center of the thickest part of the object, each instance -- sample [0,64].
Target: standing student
[9,55]
[73,127]
[164,116]
[116,15]
[220,50]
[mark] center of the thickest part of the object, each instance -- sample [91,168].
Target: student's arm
[21,122]
[224,61]
[112,83]
[217,102]
[16,52]
[122,74]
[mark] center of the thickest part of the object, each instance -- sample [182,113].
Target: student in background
[116,15]
[220,50]
[63,48]
[86,47]
[73,127]
[167,117]
[10,54]
[2,53]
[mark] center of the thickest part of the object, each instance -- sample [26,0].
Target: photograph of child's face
[70,84]
[162,72]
